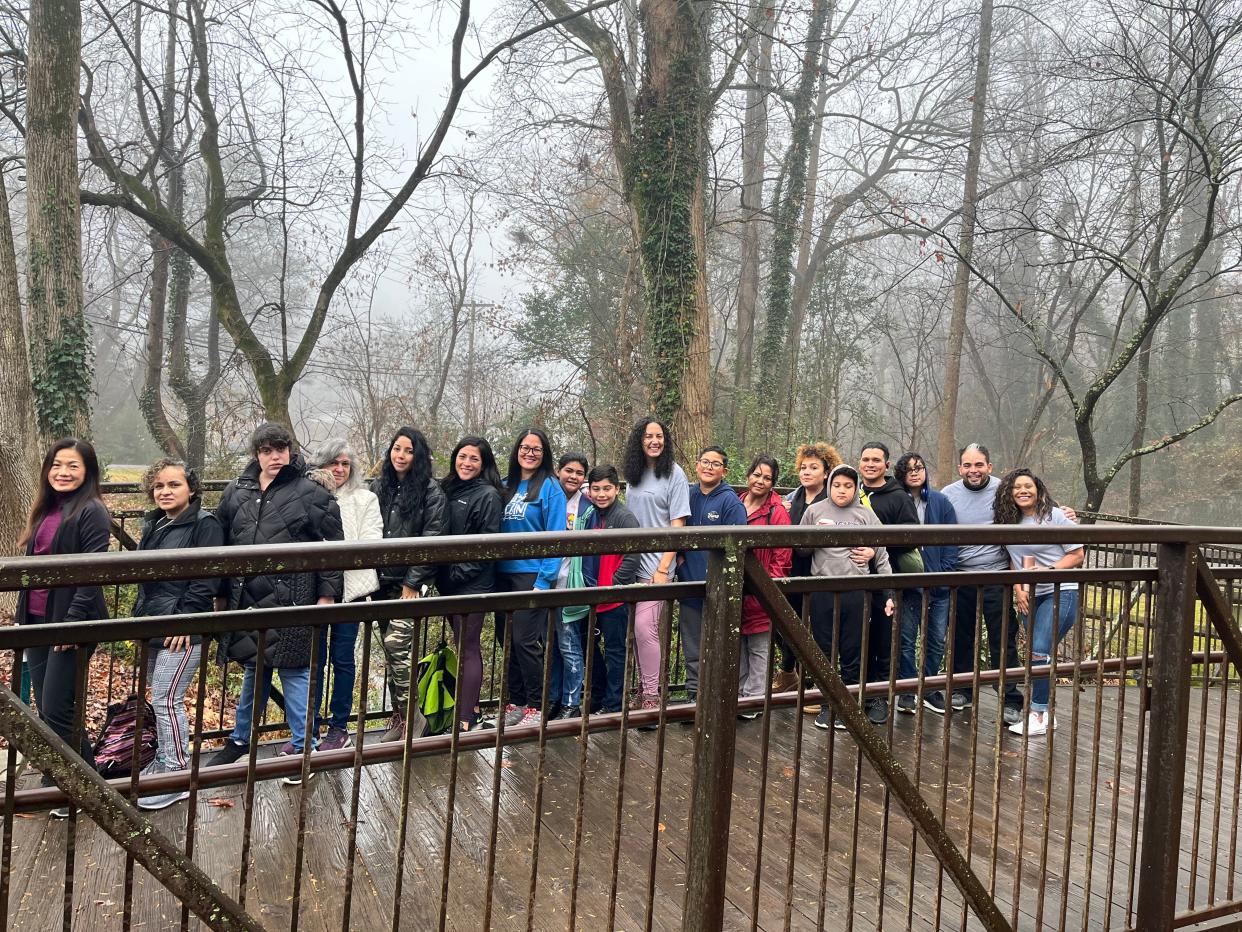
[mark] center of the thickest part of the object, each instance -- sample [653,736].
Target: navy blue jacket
[721,506]
[939,559]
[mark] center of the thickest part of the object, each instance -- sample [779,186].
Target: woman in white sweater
[360,520]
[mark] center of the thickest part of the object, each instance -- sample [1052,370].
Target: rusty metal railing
[772,823]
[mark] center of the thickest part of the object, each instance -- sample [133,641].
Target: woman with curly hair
[177,522]
[813,462]
[412,504]
[658,494]
[1022,498]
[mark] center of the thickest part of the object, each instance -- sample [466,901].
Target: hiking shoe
[530,716]
[231,753]
[294,779]
[336,739]
[877,710]
[396,728]
[784,682]
[811,708]
[935,702]
[1037,723]
[962,702]
[824,719]
[162,800]
[908,703]
[514,715]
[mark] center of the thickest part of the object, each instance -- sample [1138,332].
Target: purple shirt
[36,604]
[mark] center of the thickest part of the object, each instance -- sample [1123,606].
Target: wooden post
[116,816]
[711,793]
[1166,751]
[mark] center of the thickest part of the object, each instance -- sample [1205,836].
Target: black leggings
[466,632]
[529,628]
[53,679]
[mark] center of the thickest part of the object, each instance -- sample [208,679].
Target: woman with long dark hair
[533,502]
[473,489]
[658,494]
[412,504]
[177,522]
[1050,612]
[68,516]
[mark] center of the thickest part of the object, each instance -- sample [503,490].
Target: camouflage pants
[400,639]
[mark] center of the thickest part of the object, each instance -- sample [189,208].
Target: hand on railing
[408,593]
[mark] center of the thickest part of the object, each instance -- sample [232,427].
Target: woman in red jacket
[763,506]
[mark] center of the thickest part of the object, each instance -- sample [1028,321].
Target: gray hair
[330,450]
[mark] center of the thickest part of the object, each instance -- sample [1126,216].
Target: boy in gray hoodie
[842,508]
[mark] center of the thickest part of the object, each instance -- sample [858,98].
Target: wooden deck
[1099,851]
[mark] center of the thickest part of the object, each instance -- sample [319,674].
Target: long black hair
[409,494]
[1006,511]
[47,498]
[490,474]
[542,472]
[636,457]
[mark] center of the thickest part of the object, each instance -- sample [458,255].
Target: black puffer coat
[194,527]
[427,521]
[474,507]
[292,509]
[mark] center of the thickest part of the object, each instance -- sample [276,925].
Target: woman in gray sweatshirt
[842,508]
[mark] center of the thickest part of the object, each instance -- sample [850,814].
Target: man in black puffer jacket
[272,502]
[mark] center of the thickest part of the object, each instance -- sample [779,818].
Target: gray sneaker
[877,710]
[908,703]
[162,800]
[961,702]
[514,715]
[1012,714]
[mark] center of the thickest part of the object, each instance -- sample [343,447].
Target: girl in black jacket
[473,489]
[178,522]
[412,505]
[68,516]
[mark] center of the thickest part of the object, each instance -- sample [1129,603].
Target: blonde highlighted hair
[826,453]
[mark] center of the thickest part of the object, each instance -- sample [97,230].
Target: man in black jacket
[272,502]
[889,502]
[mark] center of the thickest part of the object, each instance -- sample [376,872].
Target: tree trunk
[1141,386]
[787,220]
[60,359]
[946,447]
[754,145]
[19,450]
[151,397]
[668,183]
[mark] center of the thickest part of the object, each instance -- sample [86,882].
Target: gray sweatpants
[752,667]
[169,673]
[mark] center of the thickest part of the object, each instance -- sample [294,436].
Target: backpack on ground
[437,689]
[114,751]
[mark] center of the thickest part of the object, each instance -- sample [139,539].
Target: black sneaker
[935,702]
[60,812]
[877,710]
[231,753]
[824,718]
[569,711]
[908,703]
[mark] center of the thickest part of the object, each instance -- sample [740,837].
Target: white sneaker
[1037,723]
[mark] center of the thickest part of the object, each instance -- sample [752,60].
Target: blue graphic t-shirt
[545,513]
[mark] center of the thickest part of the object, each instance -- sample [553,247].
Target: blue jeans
[937,627]
[336,643]
[1044,640]
[614,626]
[295,683]
[569,645]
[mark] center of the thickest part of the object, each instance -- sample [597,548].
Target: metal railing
[1126,815]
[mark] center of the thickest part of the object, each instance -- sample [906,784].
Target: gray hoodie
[835,561]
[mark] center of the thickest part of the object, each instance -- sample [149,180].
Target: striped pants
[169,673]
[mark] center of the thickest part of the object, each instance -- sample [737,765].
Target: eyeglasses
[916,467]
[530,451]
[711,464]
[276,446]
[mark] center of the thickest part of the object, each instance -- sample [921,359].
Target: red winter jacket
[776,560]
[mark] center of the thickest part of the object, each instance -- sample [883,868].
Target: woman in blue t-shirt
[1022,498]
[533,502]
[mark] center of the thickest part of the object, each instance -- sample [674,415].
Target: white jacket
[360,520]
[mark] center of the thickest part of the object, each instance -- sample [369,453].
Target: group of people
[282,497]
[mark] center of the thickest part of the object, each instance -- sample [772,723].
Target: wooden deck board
[908,896]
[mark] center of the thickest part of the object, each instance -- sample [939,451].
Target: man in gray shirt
[972,497]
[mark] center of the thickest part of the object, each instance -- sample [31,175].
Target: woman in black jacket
[412,505]
[68,516]
[178,522]
[272,502]
[473,488]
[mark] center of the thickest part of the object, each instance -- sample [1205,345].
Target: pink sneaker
[531,716]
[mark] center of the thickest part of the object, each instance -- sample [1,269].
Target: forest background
[925,223]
